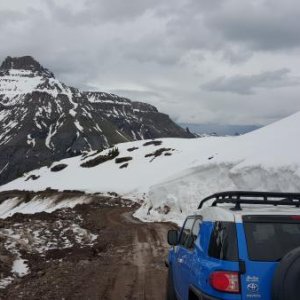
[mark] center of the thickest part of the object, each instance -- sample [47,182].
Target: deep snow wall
[173,200]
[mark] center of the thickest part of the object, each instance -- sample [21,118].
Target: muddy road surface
[93,251]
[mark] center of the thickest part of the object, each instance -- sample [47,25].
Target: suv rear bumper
[200,295]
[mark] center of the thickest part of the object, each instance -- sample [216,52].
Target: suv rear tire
[286,281]
[170,286]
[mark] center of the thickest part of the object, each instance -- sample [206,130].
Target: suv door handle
[180,260]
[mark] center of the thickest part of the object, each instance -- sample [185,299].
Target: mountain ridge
[44,120]
[171,175]
[24,63]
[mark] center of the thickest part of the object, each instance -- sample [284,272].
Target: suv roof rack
[246,197]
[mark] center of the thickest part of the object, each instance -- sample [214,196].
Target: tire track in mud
[144,274]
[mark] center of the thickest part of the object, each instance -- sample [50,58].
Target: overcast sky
[200,61]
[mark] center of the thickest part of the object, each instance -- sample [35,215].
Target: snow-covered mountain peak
[20,76]
[25,63]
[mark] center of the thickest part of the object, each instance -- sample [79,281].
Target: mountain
[43,120]
[172,175]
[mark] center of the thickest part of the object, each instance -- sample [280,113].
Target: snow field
[173,183]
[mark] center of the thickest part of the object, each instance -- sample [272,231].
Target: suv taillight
[224,281]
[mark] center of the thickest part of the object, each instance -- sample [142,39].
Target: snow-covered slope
[173,176]
[43,120]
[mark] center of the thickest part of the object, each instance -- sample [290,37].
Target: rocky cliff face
[43,120]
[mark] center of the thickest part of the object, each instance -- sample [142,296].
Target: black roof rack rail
[246,197]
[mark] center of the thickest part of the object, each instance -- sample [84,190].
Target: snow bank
[175,199]
[174,181]
[37,204]
[132,181]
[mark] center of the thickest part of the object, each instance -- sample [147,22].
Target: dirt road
[125,261]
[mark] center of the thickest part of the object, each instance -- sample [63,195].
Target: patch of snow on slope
[7,206]
[30,140]
[18,82]
[4,114]
[19,267]
[122,135]
[72,111]
[52,131]
[4,282]
[78,126]
[15,205]
[4,168]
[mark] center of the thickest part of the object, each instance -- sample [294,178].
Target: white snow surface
[19,267]
[4,282]
[20,82]
[266,159]
[37,204]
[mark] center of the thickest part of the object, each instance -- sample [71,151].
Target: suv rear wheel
[286,279]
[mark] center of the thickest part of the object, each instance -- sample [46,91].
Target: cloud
[160,52]
[248,84]
[264,25]
[9,16]
[91,12]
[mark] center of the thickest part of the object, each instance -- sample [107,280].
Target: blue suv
[239,245]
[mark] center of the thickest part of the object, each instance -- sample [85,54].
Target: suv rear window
[270,241]
[223,241]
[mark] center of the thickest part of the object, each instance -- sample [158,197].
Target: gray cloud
[8,16]
[265,25]
[248,84]
[160,51]
[99,12]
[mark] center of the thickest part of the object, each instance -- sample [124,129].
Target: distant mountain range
[43,120]
[219,130]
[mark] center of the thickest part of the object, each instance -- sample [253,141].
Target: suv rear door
[263,241]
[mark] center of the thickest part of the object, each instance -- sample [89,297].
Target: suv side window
[186,231]
[196,228]
[223,242]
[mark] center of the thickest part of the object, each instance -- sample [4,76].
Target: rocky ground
[93,251]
